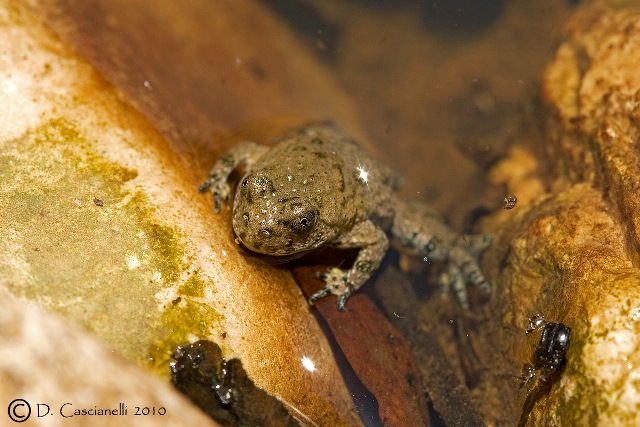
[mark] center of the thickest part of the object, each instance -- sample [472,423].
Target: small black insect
[551,352]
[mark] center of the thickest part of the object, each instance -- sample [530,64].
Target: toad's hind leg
[424,233]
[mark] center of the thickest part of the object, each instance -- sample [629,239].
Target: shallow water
[438,90]
[443,90]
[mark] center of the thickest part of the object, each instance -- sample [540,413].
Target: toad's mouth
[270,259]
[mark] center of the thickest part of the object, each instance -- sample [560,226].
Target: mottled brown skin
[320,188]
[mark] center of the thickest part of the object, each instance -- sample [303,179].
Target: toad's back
[334,173]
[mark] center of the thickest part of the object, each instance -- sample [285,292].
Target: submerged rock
[571,251]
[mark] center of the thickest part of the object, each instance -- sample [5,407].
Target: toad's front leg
[245,152]
[373,244]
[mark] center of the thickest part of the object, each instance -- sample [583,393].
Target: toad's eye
[304,219]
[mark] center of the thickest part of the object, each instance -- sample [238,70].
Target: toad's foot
[337,283]
[373,245]
[220,190]
[463,267]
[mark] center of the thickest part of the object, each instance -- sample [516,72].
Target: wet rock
[57,369]
[593,94]
[179,66]
[570,250]
[102,223]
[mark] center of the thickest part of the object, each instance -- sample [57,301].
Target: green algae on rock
[50,213]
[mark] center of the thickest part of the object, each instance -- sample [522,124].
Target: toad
[320,188]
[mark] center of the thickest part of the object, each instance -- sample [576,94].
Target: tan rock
[102,223]
[573,253]
[56,369]
[593,89]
